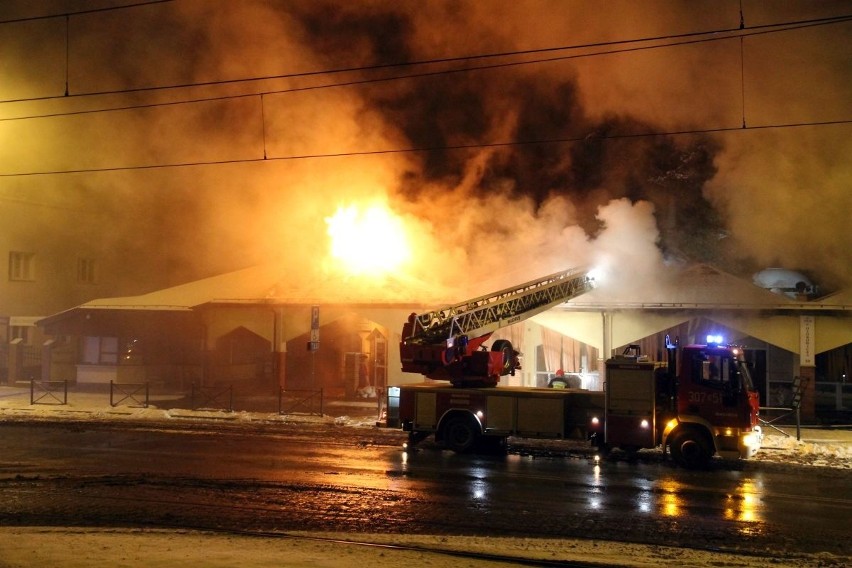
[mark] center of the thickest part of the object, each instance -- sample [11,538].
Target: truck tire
[461,435]
[505,346]
[690,449]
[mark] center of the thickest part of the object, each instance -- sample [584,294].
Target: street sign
[313,344]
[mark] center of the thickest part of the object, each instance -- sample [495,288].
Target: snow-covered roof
[273,284]
[841,299]
[698,286]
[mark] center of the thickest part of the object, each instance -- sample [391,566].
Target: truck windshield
[745,375]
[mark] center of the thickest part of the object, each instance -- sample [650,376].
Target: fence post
[798,425]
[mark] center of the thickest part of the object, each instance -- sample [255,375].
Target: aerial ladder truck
[448,343]
[699,403]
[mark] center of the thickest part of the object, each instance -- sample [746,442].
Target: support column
[807,366]
[16,360]
[47,359]
[279,349]
[606,351]
[807,409]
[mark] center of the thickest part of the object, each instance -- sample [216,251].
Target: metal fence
[134,393]
[833,396]
[47,392]
[799,385]
[308,402]
[212,398]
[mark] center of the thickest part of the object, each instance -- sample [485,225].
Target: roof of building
[271,284]
[698,287]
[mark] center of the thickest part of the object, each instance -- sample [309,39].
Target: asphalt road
[329,478]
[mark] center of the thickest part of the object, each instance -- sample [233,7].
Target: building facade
[248,328]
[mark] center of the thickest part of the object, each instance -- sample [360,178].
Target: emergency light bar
[715,340]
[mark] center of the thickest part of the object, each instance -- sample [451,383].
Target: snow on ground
[28,547]
[74,547]
[817,448]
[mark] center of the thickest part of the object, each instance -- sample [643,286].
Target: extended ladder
[486,314]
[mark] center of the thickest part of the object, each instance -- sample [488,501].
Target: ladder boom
[485,314]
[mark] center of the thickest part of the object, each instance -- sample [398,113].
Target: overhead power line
[696,37]
[713,37]
[84,12]
[448,148]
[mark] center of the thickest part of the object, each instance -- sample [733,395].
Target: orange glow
[671,503]
[369,241]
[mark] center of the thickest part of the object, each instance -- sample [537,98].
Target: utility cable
[367,81]
[757,30]
[83,12]
[448,148]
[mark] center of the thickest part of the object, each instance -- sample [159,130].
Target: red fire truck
[699,403]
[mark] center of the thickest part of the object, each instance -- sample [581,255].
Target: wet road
[346,479]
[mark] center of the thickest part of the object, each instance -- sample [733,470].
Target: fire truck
[699,403]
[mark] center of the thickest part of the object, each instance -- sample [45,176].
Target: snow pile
[834,451]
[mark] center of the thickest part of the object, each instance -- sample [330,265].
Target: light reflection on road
[670,503]
[745,504]
[641,490]
[354,480]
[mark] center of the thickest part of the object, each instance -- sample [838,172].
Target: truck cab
[716,395]
[699,403]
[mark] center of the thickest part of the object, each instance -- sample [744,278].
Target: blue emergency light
[715,339]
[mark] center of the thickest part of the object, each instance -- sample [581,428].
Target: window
[86,271]
[100,350]
[21,265]
[111,351]
[715,370]
[19,332]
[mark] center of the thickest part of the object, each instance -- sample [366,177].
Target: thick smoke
[577,185]
[510,207]
[740,201]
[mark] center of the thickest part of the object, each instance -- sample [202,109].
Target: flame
[370,241]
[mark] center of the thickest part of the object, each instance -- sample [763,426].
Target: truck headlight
[751,439]
[644,423]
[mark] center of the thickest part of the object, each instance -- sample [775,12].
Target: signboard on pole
[806,337]
[313,344]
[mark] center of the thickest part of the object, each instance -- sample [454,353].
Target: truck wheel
[690,449]
[505,346]
[460,435]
